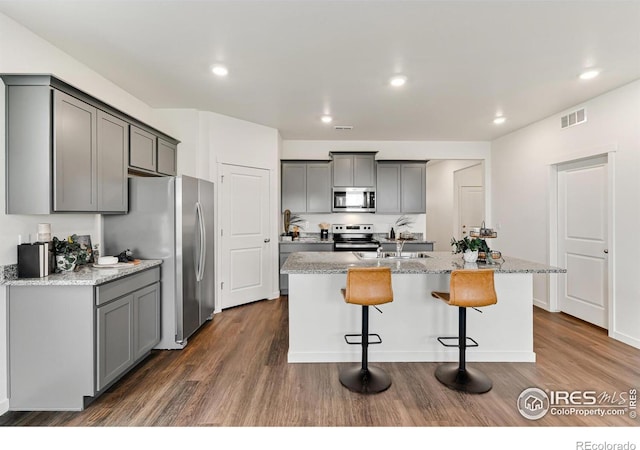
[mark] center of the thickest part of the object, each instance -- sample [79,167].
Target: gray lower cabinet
[286,248]
[306,187]
[409,247]
[401,187]
[68,344]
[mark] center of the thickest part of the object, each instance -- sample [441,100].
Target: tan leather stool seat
[366,286]
[467,289]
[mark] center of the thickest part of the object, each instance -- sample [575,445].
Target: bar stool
[366,286]
[467,289]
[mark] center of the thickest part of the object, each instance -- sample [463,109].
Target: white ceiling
[292,61]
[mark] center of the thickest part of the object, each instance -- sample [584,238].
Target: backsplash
[382,223]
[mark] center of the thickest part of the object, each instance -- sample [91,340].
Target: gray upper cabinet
[113,146]
[318,188]
[294,187]
[413,188]
[306,187]
[69,152]
[353,169]
[401,187]
[388,188]
[142,150]
[74,154]
[166,157]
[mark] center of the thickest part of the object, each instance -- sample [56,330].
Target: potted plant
[471,248]
[69,253]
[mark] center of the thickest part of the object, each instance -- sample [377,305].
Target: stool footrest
[457,340]
[347,338]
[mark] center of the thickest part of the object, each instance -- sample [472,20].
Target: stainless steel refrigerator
[171,218]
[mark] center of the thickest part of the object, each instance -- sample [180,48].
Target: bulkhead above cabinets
[67,151]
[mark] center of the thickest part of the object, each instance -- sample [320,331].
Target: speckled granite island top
[438,262]
[85,276]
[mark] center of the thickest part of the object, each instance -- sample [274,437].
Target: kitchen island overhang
[319,318]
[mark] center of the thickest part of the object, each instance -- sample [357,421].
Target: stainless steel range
[353,238]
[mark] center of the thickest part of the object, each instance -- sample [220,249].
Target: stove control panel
[338,228]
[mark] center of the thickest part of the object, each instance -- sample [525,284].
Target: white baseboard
[629,340]
[439,356]
[4,406]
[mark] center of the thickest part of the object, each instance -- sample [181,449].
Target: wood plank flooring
[234,373]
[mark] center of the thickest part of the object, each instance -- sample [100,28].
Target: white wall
[521,193]
[440,201]
[304,149]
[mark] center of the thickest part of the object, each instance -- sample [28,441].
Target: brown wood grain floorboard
[234,373]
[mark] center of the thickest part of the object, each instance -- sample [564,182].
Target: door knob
[267,240]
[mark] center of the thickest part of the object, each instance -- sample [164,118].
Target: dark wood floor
[234,372]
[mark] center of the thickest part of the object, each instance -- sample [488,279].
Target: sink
[392,255]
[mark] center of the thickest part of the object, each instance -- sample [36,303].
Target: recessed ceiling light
[499,120]
[589,74]
[398,80]
[219,70]
[326,119]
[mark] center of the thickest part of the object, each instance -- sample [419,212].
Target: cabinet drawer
[110,291]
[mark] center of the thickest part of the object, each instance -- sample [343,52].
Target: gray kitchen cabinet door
[318,188]
[342,170]
[113,148]
[167,158]
[114,340]
[146,317]
[294,187]
[74,155]
[413,188]
[388,188]
[364,171]
[142,149]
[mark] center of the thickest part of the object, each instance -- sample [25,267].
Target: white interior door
[582,240]
[244,234]
[471,208]
[469,196]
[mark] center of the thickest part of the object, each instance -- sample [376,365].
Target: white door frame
[609,152]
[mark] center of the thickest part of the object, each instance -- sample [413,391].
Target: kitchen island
[319,317]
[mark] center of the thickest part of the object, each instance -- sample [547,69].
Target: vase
[470,256]
[66,263]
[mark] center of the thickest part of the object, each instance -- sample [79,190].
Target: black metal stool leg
[365,379]
[460,377]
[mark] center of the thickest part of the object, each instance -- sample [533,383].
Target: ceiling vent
[343,127]
[573,118]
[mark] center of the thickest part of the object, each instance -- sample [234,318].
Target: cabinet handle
[267,240]
[606,250]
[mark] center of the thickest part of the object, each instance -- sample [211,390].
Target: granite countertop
[438,262]
[85,276]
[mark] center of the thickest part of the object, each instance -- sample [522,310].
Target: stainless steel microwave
[354,199]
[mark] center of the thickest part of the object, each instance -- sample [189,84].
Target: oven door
[354,246]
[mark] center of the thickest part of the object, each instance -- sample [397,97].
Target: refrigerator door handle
[202,234]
